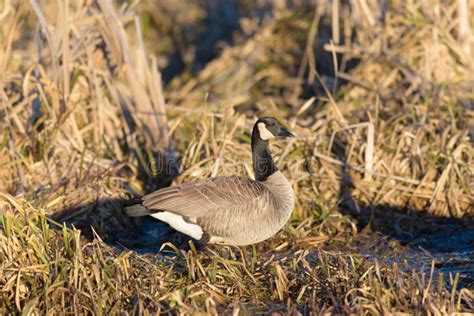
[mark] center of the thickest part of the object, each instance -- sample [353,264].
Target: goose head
[269,127]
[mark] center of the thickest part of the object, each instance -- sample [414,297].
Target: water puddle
[450,244]
[150,237]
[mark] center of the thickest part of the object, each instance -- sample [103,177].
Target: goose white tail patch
[265,134]
[177,222]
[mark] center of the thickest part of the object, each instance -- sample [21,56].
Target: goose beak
[283,132]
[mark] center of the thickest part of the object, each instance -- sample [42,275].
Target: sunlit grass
[83,112]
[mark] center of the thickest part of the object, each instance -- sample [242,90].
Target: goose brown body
[231,210]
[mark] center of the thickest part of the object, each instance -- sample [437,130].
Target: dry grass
[84,117]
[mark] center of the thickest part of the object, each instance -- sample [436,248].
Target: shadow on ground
[105,218]
[408,237]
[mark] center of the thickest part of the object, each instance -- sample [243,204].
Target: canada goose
[230,210]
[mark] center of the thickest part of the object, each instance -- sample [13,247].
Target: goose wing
[195,199]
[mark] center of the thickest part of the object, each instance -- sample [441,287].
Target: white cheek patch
[265,134]
[177,222]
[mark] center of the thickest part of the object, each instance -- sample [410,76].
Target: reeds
[381,100]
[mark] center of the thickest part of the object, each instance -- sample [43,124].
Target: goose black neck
[263,165]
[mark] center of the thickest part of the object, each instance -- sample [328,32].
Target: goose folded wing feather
[196,199]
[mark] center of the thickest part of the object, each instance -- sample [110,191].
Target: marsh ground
[102,101]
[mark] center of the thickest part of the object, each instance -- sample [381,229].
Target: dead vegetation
[380,95]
